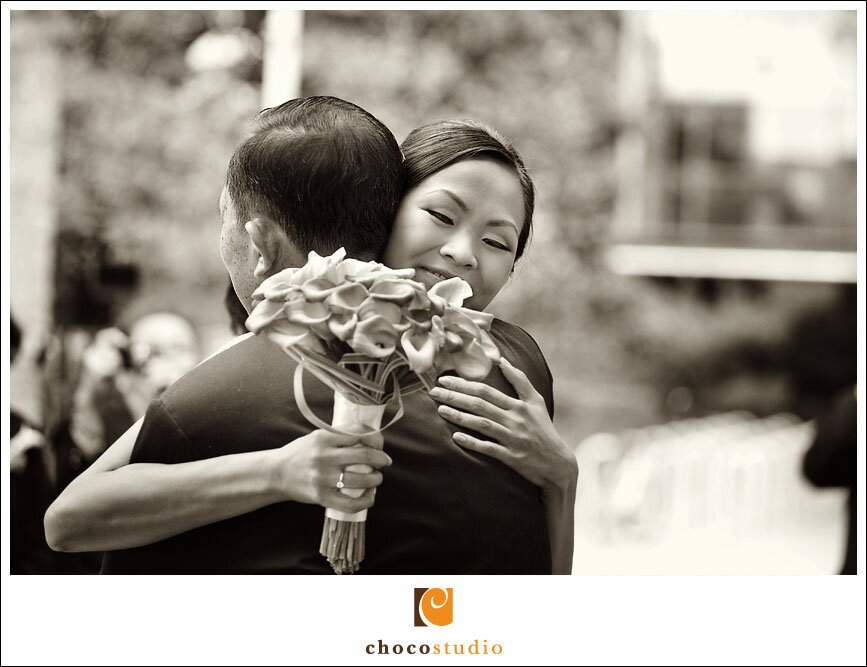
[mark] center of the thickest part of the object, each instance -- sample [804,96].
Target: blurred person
[120,375]
[832,461]
[520,490]
[30,488]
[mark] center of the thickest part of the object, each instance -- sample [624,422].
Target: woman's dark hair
[433,147]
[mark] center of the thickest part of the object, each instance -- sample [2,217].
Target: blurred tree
[146,141]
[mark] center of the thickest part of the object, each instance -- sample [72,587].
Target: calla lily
[264,314]
[290,335]
[420,299]
[419,319]
[403,274]
[282,292]
[453,342]
[372,307]
[374,336]
[277,286]
[347,298]
[452,292]
[399,292]
[461,323]
[306,313]
[342,325]
[419,311]
[317,266]
[318,289]
[471,362]
[490,347]
[482,320]
[421,347]
[355,270]
[368,272]
[467,343]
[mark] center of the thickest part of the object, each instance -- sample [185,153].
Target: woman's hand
[307,469]
[525,440]
[522,435]
[117,505]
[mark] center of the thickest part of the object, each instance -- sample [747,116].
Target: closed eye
[498,245]
[440,217]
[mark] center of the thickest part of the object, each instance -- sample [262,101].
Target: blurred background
[696,220]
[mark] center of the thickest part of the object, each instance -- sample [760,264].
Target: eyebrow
[460,202]
[457,200]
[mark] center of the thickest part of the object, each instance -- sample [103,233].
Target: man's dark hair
[328,171]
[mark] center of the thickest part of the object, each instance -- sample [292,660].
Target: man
[832,461]
[317,174]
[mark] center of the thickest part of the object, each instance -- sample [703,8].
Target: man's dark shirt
[440,509]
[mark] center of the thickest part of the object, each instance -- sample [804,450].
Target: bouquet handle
[332,428]
[343,533]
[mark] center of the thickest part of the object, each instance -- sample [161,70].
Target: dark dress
[440,509]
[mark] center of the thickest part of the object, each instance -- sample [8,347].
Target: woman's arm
[118,505]
[526,441]
[560,516]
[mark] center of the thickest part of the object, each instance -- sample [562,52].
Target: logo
[433,606]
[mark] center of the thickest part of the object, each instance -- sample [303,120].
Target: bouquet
[372,334]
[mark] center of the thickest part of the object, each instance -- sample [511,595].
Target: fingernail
[504,362]
[445,380]
[436,391]
[390,461]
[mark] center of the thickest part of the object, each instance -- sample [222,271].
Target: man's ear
[266,244]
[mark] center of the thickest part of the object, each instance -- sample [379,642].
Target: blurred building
[737,151]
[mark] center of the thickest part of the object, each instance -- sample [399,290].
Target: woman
[468,213]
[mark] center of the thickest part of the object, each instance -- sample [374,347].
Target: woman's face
[462,221]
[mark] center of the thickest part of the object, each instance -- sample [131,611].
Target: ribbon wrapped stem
[343,534]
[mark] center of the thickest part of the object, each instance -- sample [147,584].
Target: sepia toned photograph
[432,292]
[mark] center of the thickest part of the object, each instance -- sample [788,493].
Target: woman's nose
[460,251]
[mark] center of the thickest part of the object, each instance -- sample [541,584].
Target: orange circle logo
[433,606]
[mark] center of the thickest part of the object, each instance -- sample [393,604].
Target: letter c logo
[433,606]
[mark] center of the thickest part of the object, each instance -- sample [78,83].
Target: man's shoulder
[248,368]
[238,400]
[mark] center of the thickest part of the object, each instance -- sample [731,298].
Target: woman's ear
[265,244]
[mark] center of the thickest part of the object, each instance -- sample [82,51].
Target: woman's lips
[431,275]
[427,277]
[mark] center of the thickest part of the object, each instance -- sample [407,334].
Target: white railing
[733,474]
